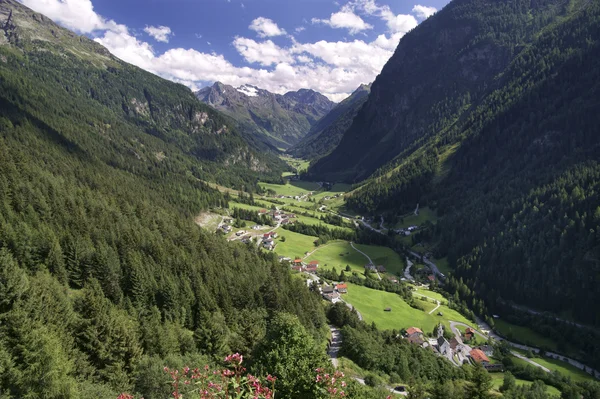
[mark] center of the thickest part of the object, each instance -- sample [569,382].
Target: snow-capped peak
[248,90]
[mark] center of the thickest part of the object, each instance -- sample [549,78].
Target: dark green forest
[104,278]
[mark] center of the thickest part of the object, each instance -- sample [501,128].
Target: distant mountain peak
[279,120]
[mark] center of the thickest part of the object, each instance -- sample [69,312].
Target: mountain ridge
[278,120]
[327,133]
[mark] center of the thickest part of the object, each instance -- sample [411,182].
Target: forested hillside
[327,133]
[104,278]
[514,177]
[438,74]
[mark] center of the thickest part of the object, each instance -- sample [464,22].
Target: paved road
[366,256]
[335,346]
[429,263]
[353,308]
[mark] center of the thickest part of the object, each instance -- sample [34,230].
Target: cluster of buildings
[407,231]
[310,267]
[454,350]
[333,293]
[268,240]
[278,216]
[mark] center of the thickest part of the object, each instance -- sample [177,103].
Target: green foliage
[291,354]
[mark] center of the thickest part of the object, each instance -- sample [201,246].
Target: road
[429,263]
[335,345]
[436,308]
[366,256]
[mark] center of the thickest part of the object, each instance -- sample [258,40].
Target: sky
[278,45]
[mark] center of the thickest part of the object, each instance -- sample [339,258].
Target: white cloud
[159,33]
[400,23]
[345,19]
[300,29]
[423,11]
[332,68]
[265,53]
[395,23]
[78,15]
[198,36]
[265,27]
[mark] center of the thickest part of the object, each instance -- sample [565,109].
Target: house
[226,228]
[240,233]
[272,234]
[332,297]
[486,349]
[314,263]
[469,334]
[268,244]
[256,227]
[387,309]
[443,345]
[263,212]
[298,268]
[454,344]
[247,239]
[327,289]
[414,331]
[414,335]
[381,269]
[370,267]
[342,288]
[298,262]
[479,357]
[311,268]
[431,278]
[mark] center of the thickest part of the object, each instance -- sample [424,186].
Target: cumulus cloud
[264,27]
[333,68]
[265,53]
[77,15]
[345,19]
[423,11]
[159,33]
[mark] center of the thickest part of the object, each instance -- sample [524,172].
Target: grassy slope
[338,254]
[425,214]
[371,304]
[393,262]
[498,379]
[523,335]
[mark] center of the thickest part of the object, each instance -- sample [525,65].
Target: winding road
[366,256]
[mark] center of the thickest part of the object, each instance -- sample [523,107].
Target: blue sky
[279,45]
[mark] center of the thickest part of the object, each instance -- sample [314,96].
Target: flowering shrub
[227,383]
[331,385]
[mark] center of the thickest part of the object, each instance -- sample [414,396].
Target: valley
[363,199]
[332,262]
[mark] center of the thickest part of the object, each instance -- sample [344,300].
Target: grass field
[291,188]
[393,263]
[523,335]
[371,304]
[416,220]
[295,244]
[430,294]
[564,368]
[338,254]
[498,380]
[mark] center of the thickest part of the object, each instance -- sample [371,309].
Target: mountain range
[327,133]
[278,120]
